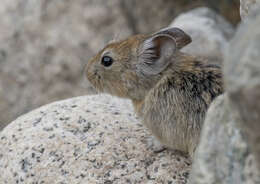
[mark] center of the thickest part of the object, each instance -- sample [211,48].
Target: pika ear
[181,38]
[155,54]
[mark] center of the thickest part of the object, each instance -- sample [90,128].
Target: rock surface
[246,7]
[210,33]
[242,76]
[229,149]
[93,139]
[223,155]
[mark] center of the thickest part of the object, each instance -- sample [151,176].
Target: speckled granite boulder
[223,155]
[92,139]
[242,77]
[210,33]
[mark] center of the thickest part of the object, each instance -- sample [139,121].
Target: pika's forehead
[124,46]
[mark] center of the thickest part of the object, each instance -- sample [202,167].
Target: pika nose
[90,70]
[95,71]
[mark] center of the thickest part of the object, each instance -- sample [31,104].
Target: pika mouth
[95,80]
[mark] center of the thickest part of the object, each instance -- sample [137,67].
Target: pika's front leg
[155,145]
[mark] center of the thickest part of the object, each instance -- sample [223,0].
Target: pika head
[131,67]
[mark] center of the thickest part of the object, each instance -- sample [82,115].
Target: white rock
[247,6]
[223,155]
[93,139]
[210,33]
[242,78]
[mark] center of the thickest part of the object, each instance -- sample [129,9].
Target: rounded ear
[155,54]
[181,38]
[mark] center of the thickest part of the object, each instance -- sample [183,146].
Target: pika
[170,90]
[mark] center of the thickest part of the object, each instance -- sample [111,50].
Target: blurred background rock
[44,44]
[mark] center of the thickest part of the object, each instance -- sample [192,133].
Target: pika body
[170,90]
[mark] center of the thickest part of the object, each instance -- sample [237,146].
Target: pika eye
[106,61]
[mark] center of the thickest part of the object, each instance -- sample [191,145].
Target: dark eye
[106,61]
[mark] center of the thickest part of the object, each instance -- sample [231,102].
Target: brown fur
[172,104]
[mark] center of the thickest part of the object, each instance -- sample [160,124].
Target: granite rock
[229,149]
[242,78]
[93,139]
[247,6]
[223,155]
[210,33]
